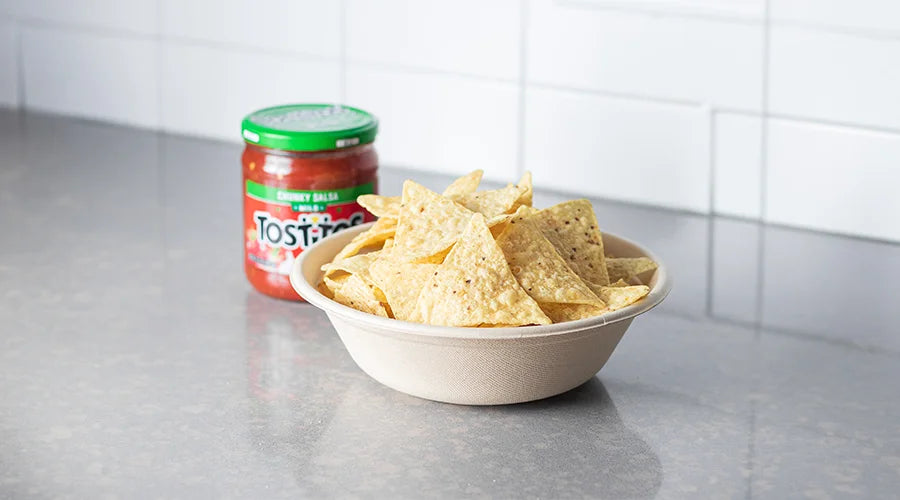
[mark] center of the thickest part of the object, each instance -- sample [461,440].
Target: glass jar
[304,165]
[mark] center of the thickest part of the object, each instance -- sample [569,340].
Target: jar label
[281,223]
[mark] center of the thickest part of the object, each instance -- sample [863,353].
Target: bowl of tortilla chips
[476,297]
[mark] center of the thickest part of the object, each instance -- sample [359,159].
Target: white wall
[784,110]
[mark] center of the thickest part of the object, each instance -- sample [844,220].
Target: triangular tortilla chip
[572,228]
[626,268]
[617,297]
[494,202]
[380,206]
[401,282]
[382,229]
[561,313]
[360,295]
[464,185]
[474,286]
[429,224]
[539,268]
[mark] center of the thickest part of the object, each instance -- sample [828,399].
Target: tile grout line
[523,61]
[823,122]
[832,123]
[95,30]
[160,141]
[834,29]
[826,28]
[711,132]
[711,226]
[763,173]
[624,8]
[159,68]
[764,131]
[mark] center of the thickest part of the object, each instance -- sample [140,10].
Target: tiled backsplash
[782,110]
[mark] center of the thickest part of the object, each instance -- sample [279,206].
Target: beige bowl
[475,366]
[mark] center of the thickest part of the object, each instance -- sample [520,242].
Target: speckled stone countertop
[136,362]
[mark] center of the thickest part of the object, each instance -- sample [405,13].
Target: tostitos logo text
[301,232]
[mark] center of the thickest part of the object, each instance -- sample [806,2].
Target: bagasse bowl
[475,366]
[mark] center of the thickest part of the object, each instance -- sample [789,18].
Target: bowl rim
[308,291]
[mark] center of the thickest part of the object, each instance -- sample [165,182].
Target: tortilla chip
[617,297]
[620,283]
[464,185]
[494,202]
[626,268]
[334,284]
[388,244]
[401,282]
[357,264]
[527,189]
[360,295]
[429,224]
[561,313]
[474,286]
[539,268]
[572,229]
[380,206]
[498,223]
[383,229]
[324,290]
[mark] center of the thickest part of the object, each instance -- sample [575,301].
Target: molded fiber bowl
[475,366]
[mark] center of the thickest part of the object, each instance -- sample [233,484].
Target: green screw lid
[309,127]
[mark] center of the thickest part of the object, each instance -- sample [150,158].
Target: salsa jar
[304,165]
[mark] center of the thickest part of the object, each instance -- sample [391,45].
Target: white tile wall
[436,34]
[207,91]
[137,16]
[834,178]
[91,75]
[737,162]
[660,102]
[617,148]
[697,60]
[305,26]
[9,71]
[833,76]
[440,123]
[876,15]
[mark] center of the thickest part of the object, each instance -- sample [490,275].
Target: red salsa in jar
[304,165]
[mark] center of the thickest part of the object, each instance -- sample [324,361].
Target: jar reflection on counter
[303,167]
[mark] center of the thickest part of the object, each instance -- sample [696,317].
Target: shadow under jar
[304,165]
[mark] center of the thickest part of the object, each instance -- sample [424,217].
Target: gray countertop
[136,362]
